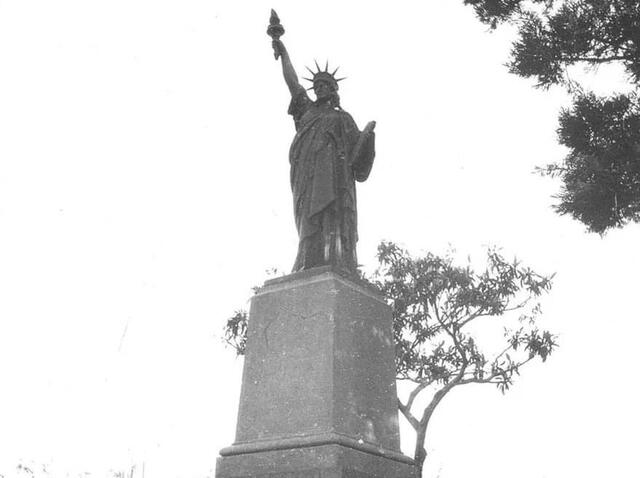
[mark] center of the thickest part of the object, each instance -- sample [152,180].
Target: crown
[323,75]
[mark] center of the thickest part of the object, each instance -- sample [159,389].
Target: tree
[441,313]
[601,174]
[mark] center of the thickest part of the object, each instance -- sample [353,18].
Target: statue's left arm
[364,153]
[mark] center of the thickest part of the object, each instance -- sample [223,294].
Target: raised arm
[290,76]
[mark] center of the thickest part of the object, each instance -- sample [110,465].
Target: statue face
[322,89]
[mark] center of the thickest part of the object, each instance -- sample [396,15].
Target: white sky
[144,190]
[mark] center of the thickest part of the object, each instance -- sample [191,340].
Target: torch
[275,31]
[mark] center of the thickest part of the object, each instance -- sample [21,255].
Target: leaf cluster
[435,303]
[600,174]
[577,31]
[493,12]
[235,331]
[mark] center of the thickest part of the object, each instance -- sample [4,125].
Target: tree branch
[593,59]
[485,313]
[437,398]
[491,377]
[405,409]
[416,391]
[507,348]
[451,334]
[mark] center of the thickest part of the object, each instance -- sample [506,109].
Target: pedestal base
[325,461]
[318,393]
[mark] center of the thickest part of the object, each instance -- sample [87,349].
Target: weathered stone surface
[319,361]
[318,390]
[327,461]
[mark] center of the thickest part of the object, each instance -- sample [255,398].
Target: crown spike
[340,79]
[310,70]
[308,79]
[317,66]
[326,67]
[335,71]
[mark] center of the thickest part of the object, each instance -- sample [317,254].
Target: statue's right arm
[290,76]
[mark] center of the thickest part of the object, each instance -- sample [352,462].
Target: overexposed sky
[144,189]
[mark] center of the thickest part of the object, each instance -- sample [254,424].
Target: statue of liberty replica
[318,396]
[328,154]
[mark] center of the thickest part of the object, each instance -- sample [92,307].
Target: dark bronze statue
[328,154]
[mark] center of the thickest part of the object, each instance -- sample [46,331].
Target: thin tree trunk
[420,453]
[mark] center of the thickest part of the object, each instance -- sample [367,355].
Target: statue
[328,154]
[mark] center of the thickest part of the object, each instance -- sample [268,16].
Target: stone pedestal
[318,393]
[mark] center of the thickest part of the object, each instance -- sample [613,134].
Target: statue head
[326,78]
[324,89]
[325,84]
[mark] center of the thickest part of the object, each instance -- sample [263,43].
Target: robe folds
[327,156]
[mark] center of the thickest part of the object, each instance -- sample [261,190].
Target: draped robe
[327,156]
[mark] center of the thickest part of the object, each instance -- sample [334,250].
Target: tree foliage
[235,331]
[600,175]
[441,316]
